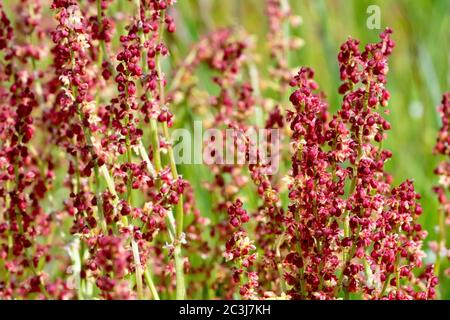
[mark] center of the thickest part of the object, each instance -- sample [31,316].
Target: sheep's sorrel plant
[442,149]
[349,229]
[291,201]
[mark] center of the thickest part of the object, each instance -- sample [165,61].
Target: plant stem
[155,144]
[101,45]
[299,250]
[150,283]
[181,290]
[138,267]
[278,244]
[383,290]
[130,173]
[21,232]
[297,235]
[112,190]
[348,259]
[441,241]
[99,21]
[88,134]
[174,232]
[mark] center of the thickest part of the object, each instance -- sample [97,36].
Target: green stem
[297,235]
[280,270]
[130,173]
[348,259]
[441,242]
[77,173]
[174,85]
[180,290]
[144,155]
[383,290]
[299,250]
[112,190]
[154,172]
[155,144]
[88,134]
[179,207]
[101,46]
[150,283]
[397,272]
[174,233]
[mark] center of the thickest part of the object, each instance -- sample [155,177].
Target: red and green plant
[92,203]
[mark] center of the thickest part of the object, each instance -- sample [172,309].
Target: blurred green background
[419,71]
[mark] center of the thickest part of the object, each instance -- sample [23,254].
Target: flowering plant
[92,201]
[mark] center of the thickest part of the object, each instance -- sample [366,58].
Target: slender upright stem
[99,21]
[278,244]
[297,235]
[150,283]
[101,45]
[88,135]
[175,232]
[347,256]
[441,244]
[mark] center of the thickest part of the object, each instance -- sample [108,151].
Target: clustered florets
[91,202]
[366,239]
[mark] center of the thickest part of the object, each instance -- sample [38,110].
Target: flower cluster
[26,175]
